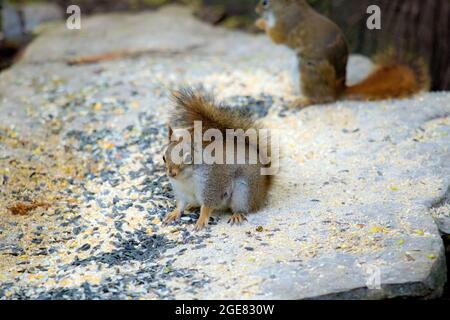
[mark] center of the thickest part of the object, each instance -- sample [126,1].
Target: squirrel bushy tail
[396,76]
[193,105]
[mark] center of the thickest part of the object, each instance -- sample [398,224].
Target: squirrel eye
[164,159]
[265,3]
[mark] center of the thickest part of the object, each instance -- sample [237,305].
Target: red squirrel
[322,55]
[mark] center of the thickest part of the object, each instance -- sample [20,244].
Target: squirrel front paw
[203,220]
[173,216]
[237,218]
[201,224]
[261,24]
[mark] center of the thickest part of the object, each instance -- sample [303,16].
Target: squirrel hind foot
[300,103]
[237,218]
[202,222]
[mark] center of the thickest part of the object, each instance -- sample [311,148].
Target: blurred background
[417,26]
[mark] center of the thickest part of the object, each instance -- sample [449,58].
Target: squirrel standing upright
[239,186]
[322,54]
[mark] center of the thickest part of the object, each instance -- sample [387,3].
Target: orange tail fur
[394,77]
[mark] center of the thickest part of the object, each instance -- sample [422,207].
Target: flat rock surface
[354,212]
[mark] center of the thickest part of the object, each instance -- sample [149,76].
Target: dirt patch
[22,208]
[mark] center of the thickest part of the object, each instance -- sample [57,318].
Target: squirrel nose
[173,173]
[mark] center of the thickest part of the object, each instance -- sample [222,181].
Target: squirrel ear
[170,132]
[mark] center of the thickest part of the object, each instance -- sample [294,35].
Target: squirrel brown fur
[238,187]
[322,53]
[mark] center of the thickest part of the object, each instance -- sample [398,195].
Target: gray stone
[34,14]
[440,210]
[351,214]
